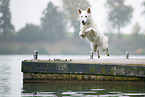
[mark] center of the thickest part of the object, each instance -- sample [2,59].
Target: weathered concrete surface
[138,62]
[100,69]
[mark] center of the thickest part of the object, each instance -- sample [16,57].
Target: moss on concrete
[75,77]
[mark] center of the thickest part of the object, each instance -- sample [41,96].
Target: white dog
[90,32]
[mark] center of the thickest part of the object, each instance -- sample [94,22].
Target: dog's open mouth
[83,22]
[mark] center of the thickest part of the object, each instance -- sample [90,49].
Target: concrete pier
[84,70]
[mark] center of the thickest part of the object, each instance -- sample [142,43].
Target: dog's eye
[86,16]
[81,16]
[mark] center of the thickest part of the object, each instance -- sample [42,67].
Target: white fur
[90,31]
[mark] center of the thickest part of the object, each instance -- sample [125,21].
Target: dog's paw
[98,56]
[82,36]
[108,55]
[89,29]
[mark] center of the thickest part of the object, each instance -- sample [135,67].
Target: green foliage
[51,37]
[29,33]
[42,50]
[127,44]
[136,29]
[5,18]
[7,50]
[53,26]
[117,46]
[119,13]
[143,4]
[26,50]
[135,32]
[23,50]
[70,8]
[137,38]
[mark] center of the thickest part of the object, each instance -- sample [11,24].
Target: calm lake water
[11,82]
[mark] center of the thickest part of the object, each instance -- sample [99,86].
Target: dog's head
[84,16]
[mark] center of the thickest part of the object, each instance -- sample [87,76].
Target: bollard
[127,55]
[91,54]
[35,55]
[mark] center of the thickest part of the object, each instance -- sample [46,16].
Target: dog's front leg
[98,53]
[91,30]
[82,35]
[88,30]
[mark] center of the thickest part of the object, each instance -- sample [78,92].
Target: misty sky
[30,11]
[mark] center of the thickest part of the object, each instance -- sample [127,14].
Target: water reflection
[10,76]
[60,89]
[4,79]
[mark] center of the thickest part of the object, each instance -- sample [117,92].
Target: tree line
[56,21]
[53,23]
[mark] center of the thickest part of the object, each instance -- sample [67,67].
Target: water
[11,82]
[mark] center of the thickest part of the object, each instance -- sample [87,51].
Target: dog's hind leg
[95,48]
[91,54]
[107,52]
[98,52]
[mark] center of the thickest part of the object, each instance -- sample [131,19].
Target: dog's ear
[79,11]
[89,10]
